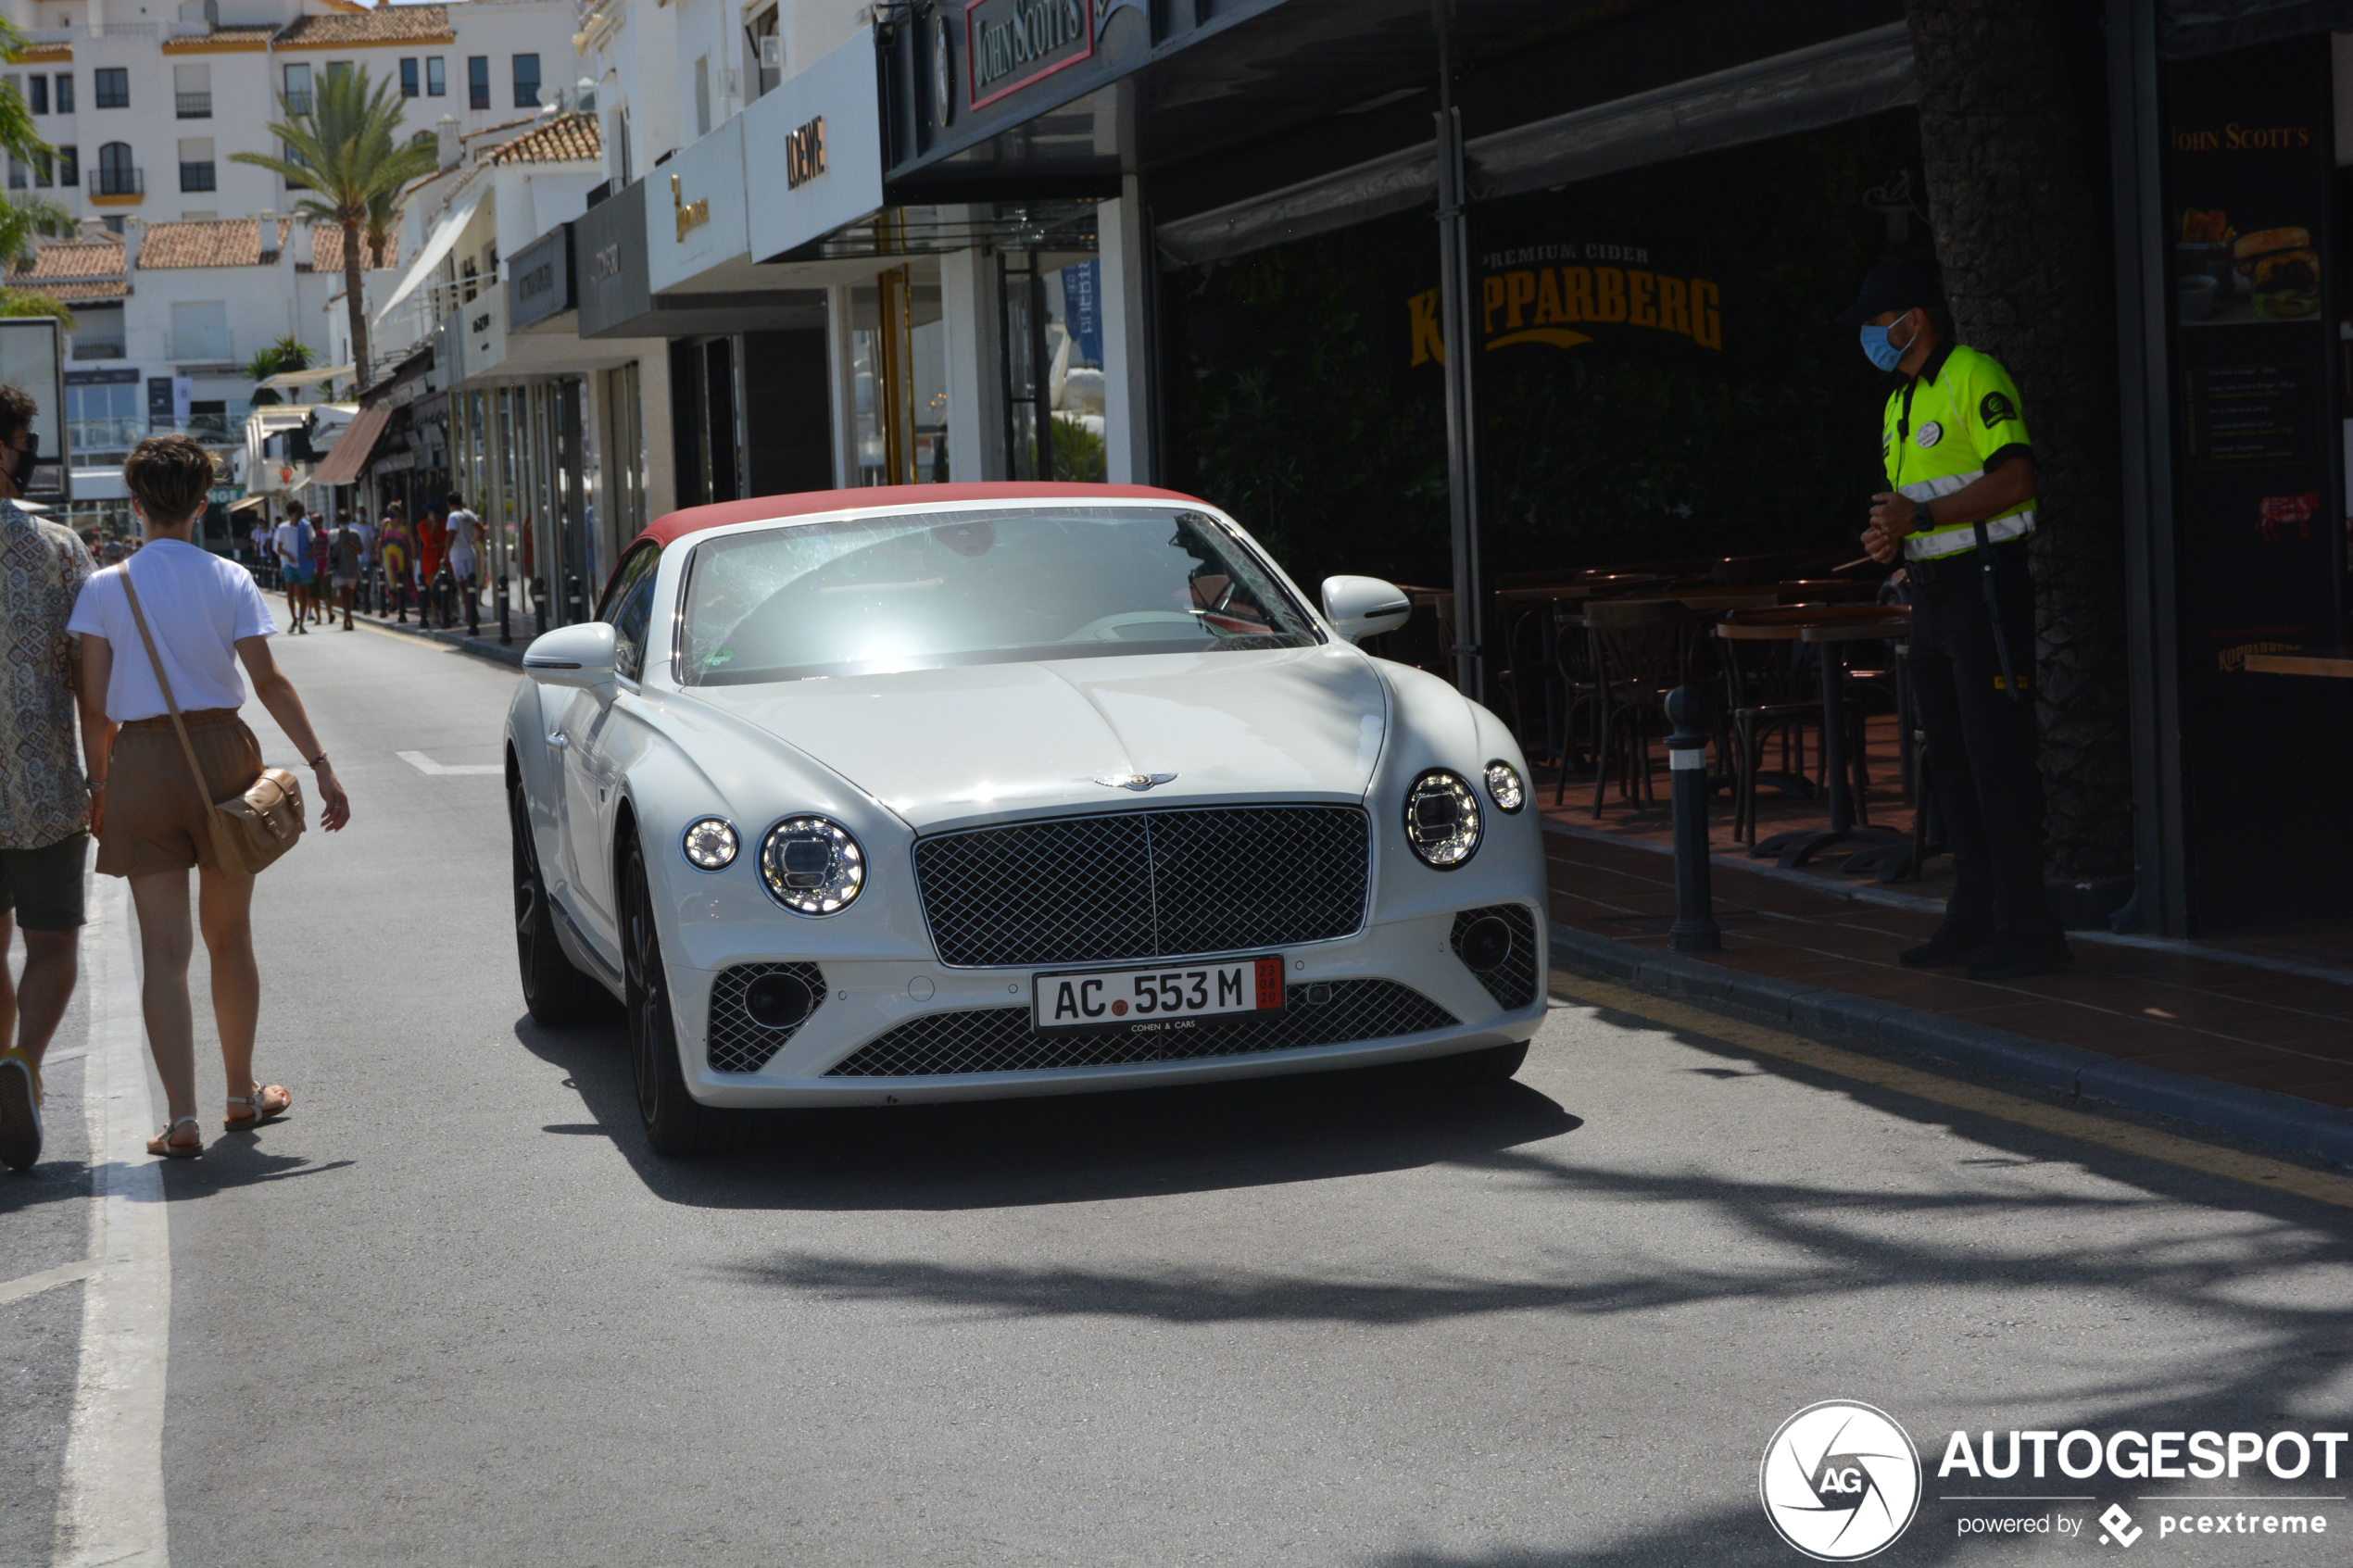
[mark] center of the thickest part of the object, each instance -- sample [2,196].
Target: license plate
[1164,997]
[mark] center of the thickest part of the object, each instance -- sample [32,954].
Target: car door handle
[558,740]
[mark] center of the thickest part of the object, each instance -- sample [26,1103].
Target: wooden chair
[1641,652]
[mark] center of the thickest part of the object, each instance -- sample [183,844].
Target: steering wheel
[1106,628]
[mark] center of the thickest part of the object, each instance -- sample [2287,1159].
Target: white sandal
[161,1143]
[254,1102]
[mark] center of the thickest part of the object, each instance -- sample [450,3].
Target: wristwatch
[1922,520]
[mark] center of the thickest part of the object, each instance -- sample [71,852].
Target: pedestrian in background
[431,550]
[465,537]
[205,617]
[292,543]
[45,805]
[345,553]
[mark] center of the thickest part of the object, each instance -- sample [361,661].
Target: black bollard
[540,604]
[1694,929]
[400,597]
[574,610]
[506,632]
[473,607]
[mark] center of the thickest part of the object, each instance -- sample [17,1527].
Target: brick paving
[2195,1009]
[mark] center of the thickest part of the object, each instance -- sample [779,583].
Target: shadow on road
[1072,1149]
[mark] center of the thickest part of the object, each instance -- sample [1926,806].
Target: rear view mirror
[578,656]
[1359,607]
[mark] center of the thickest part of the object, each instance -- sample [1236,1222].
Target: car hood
[940,746]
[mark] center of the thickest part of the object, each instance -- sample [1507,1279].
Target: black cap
[1895,285]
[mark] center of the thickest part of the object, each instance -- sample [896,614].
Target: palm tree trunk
[2012,128]
[353,304]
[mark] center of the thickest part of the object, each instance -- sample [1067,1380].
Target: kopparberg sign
[1841,1481]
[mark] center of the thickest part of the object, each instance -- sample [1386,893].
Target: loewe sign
[1010,43]
[805,154]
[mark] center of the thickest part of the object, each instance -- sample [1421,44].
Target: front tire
[675,1124]
[557,994]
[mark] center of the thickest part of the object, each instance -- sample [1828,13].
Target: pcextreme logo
[1839,1481]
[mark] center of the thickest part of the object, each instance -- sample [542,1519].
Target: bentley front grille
[1144,884]
[740,1042]
[1000,1040]
[1513,982]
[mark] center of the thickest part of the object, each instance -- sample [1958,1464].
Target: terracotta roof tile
[386,24]
[568,138]
[326,249]
[81,291]
[93,259]
[225,241]
[231,38]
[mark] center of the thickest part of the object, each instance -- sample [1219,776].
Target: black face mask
[22,459]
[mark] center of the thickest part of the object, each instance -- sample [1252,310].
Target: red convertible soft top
[761,508]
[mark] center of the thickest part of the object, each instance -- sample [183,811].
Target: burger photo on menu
[2282,272]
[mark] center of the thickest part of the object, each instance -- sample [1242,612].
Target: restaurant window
[65,93]
[526,81]
[477,81]
[40,95]
[408,77]
[297,89]
[437,78]
[103,418]
[113,87]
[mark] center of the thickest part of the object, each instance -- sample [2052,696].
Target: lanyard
[1902,432]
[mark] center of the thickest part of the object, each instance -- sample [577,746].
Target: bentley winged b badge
[1137,782]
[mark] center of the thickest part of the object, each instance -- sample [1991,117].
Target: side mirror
[578,656]
[1359,607]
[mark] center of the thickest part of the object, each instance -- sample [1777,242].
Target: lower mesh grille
[1000,1039]
[1513,982]
[740,1042]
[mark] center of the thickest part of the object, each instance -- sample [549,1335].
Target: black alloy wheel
[556,992]
[674,1123]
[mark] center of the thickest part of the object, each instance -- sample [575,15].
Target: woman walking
[206,616]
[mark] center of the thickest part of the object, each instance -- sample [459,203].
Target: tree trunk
[356,307]
[2013,132]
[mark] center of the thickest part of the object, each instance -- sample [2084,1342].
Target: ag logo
[1929,434]
[1994,409]
[1839,1481]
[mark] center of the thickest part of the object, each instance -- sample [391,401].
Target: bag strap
[195,771]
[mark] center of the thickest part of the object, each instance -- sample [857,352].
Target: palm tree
[289,353]
[343,148]
[23,215]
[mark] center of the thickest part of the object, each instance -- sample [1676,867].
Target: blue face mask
[1881,350]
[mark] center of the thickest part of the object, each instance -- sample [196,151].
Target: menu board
[2249,153]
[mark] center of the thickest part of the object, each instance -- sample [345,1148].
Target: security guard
[1958,512]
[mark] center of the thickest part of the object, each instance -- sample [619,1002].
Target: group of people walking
[149,652]
[320,563]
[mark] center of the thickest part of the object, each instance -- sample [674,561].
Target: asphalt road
[453,1311]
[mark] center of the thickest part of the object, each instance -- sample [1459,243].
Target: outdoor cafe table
[1830,627]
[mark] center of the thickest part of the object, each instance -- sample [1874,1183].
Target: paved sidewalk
[485,646]
[2252,1021]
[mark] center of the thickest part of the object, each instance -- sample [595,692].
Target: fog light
[1485,946]
[778,1002]
[709,845]
[1504,786]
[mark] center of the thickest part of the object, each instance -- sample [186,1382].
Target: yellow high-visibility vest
[1941,430]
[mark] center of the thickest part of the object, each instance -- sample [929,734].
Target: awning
[248,503]
[353,448]
[436,247]
[291,381]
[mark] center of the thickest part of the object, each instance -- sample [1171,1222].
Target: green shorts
[44,886]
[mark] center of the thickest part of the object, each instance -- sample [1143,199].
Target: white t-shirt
[462,527]
[197,606]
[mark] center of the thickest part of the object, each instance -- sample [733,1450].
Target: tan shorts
[153,821]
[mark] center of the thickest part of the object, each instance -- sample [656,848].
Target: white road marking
[111,1500]
[47,1279]
[425,764]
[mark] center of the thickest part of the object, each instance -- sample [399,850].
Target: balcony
[88,347]
[197,348]
[93,437]
[194,106]
[212,429]
[120,185]
[198,176]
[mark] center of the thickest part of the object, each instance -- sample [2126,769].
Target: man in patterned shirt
[45,805]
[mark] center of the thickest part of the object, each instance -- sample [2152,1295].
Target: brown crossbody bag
[262,821]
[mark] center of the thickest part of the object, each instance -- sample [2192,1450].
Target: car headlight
[1442,819]
[1504,786]
[812,866]
[710,844]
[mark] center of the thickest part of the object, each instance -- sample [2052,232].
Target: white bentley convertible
[958,791]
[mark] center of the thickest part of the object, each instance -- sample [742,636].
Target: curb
[481,648]
[2257,1115]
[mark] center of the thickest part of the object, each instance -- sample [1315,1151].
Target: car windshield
[921,591]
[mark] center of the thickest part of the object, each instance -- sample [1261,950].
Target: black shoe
[1946,949]
[2008,957]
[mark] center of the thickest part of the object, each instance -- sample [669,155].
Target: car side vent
[1498,944]
[755,1007]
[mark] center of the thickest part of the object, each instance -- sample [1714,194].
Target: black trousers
[1981,744]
